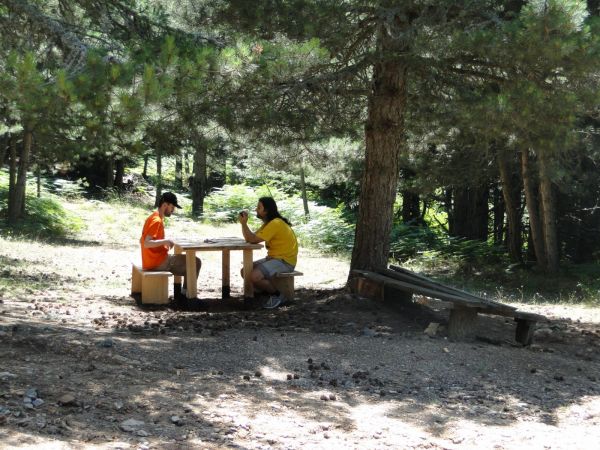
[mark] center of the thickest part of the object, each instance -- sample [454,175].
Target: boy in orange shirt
[155,248]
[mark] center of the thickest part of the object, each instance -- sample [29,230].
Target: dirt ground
[82,366]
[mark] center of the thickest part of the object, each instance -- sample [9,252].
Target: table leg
[190,270]
[248,286]
[177,278]
[225,290]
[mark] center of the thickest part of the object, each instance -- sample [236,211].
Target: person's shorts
[271,266]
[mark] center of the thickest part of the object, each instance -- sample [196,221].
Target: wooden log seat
[152,285]
[284,283]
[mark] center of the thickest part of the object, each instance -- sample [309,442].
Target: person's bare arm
[151,243]
[249,236]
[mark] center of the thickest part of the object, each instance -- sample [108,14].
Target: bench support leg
[285,286]
[462,323]
[525,329]
[136,281]
[155,290]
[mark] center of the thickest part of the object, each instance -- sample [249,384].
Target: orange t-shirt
[155,228]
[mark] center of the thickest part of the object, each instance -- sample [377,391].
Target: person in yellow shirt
[155,248]
[282,248]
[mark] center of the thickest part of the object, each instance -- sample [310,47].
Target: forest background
[458,135]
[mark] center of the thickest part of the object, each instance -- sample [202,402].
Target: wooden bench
[464,307]
[284,283]
[152,285]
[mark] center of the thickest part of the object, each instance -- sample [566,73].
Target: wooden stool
[284,283]
[153,285]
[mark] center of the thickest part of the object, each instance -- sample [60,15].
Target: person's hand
[169,243]
[243,217]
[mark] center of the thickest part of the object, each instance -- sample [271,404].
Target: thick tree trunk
[304,195]
[119,173]
[145,171]
[16,198]
[198,186]
[411,214]
[498,216]
[178,171]
[109,174]
[470,213]
[384,135]
[38,181]
[548,214]
[186,168]
[158,177]
[511,192]
[4,148]
[12,174]
[532,208]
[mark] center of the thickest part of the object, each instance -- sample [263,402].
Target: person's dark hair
[272,212]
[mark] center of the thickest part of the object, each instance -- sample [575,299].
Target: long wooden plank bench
[152,285]
[464,307]
[284,283]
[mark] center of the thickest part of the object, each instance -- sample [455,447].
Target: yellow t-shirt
[280,241]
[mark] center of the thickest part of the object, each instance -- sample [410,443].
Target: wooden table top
[221,243]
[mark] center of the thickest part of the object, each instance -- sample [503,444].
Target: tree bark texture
[531,201]
[12,174]
[158,177]
[145,171]
[16,198]
[498,215]
[304,195]
[548,201]
[178,171]
[384,135]
[511,192]
[109,174]
[470,213]
[4,148]
[119,173]
[198,186]
[411,213]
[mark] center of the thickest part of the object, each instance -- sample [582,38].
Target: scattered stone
[368,332]
[432,329]
[67,400]
[332,397]
[247,377]
[176,420]
[324,397]
[31,393]
[258,374]
[131,425]
[7,376]
[107,343]
[289,376]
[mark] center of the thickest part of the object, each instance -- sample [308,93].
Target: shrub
[45,218]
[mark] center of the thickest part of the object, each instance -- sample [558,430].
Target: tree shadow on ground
[207,367]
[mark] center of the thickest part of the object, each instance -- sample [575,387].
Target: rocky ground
[82,366]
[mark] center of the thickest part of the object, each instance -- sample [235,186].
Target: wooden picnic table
[225,246]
